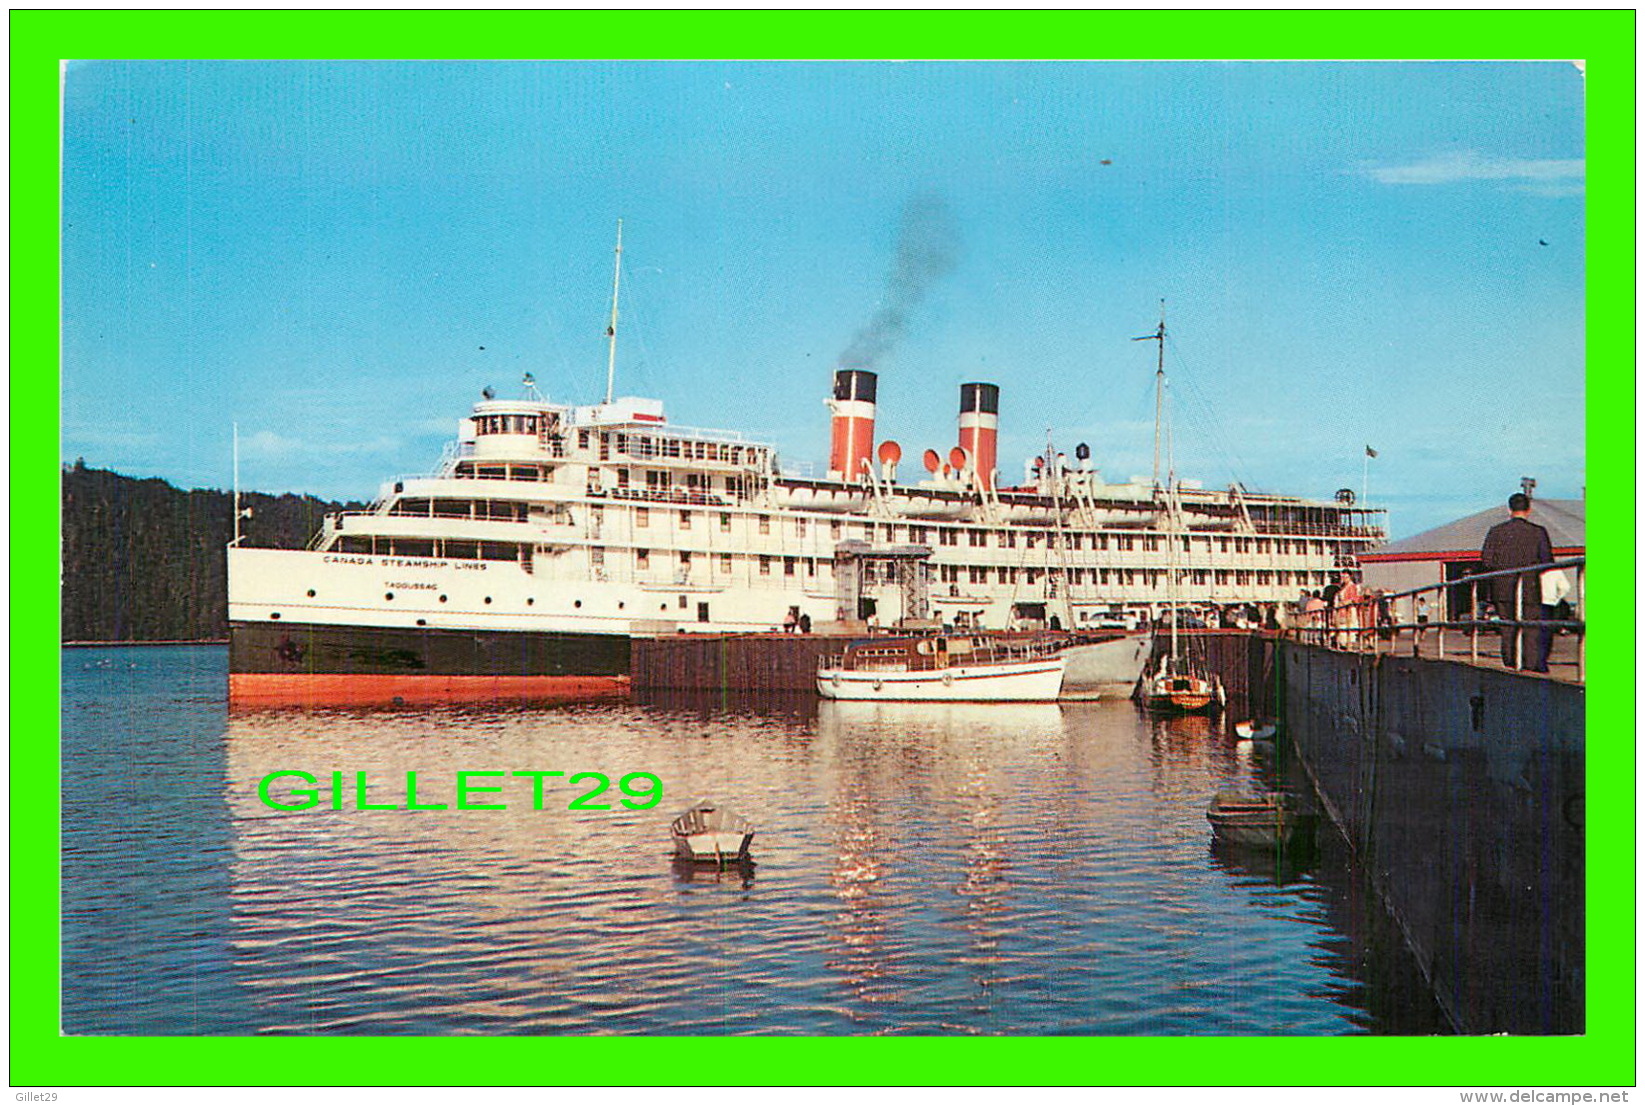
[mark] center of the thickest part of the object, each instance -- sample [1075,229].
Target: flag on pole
[1369,452]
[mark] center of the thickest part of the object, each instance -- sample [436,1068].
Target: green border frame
[1605,1056]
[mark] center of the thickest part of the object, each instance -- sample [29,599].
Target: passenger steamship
[550,535]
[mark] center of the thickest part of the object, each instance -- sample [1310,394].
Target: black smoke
[927,248]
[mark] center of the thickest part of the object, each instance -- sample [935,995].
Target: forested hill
[144,561]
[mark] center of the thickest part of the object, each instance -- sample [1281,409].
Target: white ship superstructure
[551,534]
[608,520]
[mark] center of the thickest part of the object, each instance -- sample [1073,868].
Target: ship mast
[1159,386]
[1170,530]
[611,330]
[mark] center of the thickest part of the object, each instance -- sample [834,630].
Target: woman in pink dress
[1347,602]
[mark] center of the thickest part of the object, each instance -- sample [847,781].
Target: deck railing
[1371,624]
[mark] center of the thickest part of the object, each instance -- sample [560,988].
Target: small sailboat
[1179,684]
[969,668]
[708,832]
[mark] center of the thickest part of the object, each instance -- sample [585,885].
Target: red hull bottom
[277,689]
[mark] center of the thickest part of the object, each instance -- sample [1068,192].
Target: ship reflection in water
[929,869]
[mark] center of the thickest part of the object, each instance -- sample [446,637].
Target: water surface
[920,869]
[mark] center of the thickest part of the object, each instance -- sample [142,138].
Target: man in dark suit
[1519,543]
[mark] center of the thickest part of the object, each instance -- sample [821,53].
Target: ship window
[311,593]
[642,558]
[765,524]
[621,605]
[422,622]
[531,601]
[725,562]
[810,566]
[799,527]
[834,529]
[725,524]
[389,595]
[642,517]
[765,565]
[702,612]
[582,439]
[488,600]
[462,550]
[493,472]
[442,599]
[682,603]
[274,614]
[622,478]
[788,566]
[577,603]
[979,575]
[685,520]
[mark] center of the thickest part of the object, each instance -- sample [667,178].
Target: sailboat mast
[236,430]
[611,330]
[1159,387]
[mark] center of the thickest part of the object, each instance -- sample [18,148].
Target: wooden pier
[1242,659]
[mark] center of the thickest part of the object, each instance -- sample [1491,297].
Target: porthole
[488,599]
[530,602]
[620,606]
[442,599]
[422,622]
[389,595]
[577,603]
[276,614]
[311,593]
[664,607]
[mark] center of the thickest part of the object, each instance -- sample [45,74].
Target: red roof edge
[1560,553]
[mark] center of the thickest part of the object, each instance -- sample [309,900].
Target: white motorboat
[945,668]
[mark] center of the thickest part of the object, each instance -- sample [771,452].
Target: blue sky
[339,256]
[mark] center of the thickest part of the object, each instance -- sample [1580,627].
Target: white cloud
[266,443]
[1545,176]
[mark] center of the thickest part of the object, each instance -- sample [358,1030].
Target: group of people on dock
[1350,615]
[1346,615]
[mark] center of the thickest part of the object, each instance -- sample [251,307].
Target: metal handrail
[1331,627]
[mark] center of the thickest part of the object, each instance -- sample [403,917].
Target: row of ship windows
[507,511]
[470,470]
[1130,577]
[510,424]
[791,566]
[448,548]
[685,449]
[1008,539]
